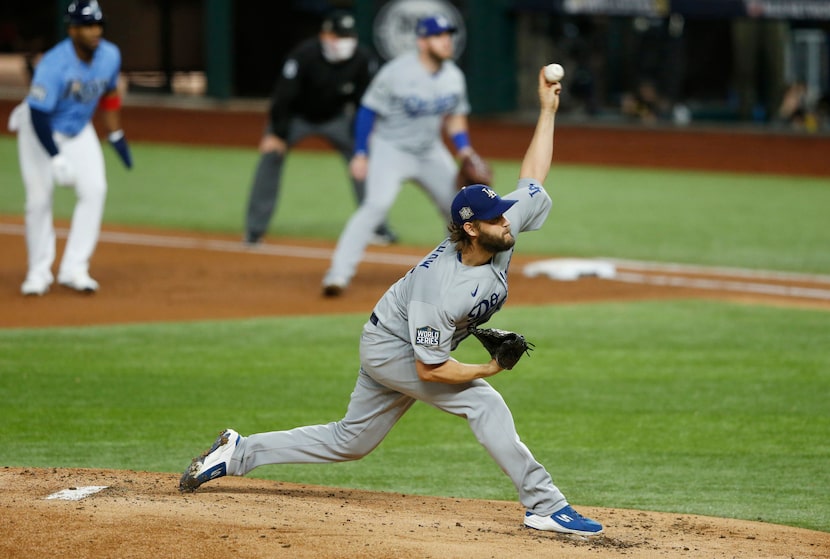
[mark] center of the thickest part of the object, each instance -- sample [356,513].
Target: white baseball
[554,72]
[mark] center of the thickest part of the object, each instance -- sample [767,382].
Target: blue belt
[374,319]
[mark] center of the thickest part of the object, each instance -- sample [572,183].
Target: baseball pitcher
[406,345]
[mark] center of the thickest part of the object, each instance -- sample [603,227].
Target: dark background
[607,53]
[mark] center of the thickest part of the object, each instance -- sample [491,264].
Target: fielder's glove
[472,169]
[503,346]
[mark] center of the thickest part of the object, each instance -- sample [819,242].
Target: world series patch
[37,92]
[427,336]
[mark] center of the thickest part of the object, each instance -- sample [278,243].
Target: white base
[77,493]
[570,269]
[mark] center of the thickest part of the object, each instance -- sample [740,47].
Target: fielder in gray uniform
[405,350]
[404,109]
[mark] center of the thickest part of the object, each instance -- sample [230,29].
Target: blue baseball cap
[434,25]
[478,201]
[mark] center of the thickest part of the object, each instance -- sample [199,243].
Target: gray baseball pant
[387,386]
[264,194]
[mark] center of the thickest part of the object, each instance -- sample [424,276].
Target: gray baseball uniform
[424,316]
[406,144]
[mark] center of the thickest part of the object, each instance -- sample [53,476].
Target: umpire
[321,83]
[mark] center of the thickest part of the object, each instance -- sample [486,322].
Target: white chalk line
[716,270]
[164,241]
[143,239]
[721,285]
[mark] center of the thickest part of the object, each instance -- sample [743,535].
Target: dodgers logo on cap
[478,201]
[434,25]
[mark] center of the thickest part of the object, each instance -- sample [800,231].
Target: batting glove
[62,171]
[120,144]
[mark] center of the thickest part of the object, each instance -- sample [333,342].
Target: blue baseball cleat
[565,521]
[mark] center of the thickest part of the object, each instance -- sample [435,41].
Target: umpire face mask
[339,49]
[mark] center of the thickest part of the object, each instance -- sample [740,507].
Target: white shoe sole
[547,524]
[32,291]
[90,286]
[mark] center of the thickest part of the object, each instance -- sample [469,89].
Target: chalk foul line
[727,281]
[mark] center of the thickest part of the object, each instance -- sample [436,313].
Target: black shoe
[384,236]
[252,239]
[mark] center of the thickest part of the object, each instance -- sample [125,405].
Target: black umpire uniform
[313,96]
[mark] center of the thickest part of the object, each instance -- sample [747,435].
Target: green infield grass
[752,221]
[705,408]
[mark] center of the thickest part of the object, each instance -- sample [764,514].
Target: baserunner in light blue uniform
[406,345]
[57,144]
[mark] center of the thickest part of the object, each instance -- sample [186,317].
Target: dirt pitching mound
[140,514]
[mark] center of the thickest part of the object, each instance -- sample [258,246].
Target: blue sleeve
[42,123]
[364,122]
[461,140]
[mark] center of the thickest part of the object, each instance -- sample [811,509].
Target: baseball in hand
[554,73]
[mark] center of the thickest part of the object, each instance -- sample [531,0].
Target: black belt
[374,319]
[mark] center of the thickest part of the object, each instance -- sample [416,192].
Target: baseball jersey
[411,103]
[69,88]
[311,87]
[431,307]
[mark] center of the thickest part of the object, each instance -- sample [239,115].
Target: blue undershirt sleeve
[42,124]
[364,122]
[461,140]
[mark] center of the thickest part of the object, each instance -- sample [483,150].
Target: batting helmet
[84,12]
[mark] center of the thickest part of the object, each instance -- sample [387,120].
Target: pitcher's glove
[472,169]
[503,346]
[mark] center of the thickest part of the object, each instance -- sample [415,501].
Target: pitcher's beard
[496,243]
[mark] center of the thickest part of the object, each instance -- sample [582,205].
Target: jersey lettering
[432,257]
[415,106]
[534,189]
[486,307]
[85,92]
